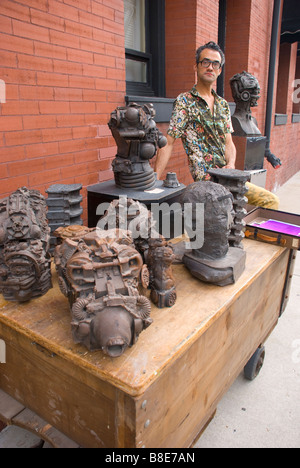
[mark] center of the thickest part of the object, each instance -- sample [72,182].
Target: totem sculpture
[234,181]
[25,259]
[215,262]
[157,253]
[160,257]
[100,273]
[137,138]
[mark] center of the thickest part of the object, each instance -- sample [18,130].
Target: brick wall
[64,69]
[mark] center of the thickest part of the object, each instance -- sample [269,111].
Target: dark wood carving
[100,273]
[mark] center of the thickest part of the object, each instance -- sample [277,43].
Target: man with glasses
[202,120]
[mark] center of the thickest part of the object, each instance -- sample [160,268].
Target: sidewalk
[265,413]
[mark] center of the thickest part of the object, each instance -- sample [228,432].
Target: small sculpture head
[245,89]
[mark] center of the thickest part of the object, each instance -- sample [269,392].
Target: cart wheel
[255,363]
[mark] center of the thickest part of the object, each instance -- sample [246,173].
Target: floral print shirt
[203,134]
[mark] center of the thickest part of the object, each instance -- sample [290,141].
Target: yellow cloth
[259,196]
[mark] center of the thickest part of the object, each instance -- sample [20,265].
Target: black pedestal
[106,192]
[250,152]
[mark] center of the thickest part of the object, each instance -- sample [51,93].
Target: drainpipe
[276,163]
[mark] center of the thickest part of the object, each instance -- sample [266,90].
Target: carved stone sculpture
[100,273]
[157,253]
[245,92]
[137,138]
[160,258]
[215,262]
[24,246]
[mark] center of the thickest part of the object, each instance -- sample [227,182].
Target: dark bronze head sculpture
[24,246]
[214,262]
[137,138]
[100,273]
[218,216]
[245,92]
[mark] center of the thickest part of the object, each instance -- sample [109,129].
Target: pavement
[265,412]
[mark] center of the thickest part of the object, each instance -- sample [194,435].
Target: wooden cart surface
[163,390]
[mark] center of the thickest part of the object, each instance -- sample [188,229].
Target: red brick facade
[63,65]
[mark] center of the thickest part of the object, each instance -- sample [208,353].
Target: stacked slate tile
[235,181]
[63,207]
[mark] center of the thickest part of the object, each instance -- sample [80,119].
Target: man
[202,120]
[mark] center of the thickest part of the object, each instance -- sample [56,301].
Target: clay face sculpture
[215,261]
[245,92]
[24,246]
[137,138]
[155,250]
[100,273]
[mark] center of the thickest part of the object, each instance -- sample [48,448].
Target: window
[145,47]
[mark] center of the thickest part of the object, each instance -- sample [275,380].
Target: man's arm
[163,156]
[230,152]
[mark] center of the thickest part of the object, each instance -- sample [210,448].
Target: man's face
[209,74]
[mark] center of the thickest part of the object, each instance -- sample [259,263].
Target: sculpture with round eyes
[215,262]
[245,92]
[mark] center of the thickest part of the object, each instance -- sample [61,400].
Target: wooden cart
[163,390]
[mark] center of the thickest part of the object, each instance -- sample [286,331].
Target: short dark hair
[213,46]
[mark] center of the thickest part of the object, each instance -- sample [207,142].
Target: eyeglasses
[206,62]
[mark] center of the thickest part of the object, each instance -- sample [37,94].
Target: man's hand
[229,166]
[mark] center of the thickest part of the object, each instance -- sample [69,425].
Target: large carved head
[218,215]
[100,275]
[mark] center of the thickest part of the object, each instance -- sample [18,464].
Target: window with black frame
[145,47]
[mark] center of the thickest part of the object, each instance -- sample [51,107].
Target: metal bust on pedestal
[249,142]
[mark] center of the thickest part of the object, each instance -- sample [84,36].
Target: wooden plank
[9,407]
[28,420]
